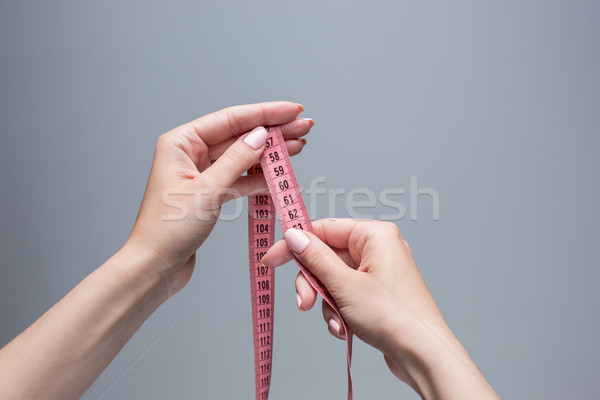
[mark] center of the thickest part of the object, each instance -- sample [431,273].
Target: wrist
[169,273]
[436,365]
[143,267]
[412,347]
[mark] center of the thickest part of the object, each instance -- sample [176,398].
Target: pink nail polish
[335,327]
[256,138]
[299,302]
[296,240]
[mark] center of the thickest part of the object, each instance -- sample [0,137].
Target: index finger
[336,232]
[348,238]
[358,236]
[234,121]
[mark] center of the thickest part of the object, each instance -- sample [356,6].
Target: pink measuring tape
[285,198]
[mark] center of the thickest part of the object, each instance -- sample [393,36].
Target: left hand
[197,167]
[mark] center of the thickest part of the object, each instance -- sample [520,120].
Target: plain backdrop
[500,115]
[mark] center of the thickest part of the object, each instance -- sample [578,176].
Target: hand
[197,167]
[365,266]
[369,270]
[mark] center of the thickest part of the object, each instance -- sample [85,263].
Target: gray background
[505,127]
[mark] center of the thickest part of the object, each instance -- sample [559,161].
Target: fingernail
[296,240]
[310,121]
[335,326]
[300,106]
[256,138]
[299,302]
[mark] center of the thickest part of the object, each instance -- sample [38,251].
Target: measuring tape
[285,199]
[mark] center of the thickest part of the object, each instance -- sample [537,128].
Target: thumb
[319,259]
[238,158]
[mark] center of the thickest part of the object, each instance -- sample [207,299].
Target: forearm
[438,366]
[65,350]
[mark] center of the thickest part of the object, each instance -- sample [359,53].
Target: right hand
[369,270]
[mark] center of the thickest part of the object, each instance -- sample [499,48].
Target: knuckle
[189,140]
[407,247]
[232,119]
[388,226]
[300,278]
[163,141]
[236,156]
[317,257]
[263,112]
[389,229]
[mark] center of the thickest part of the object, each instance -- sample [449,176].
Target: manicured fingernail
[310,121]
[299,302]
[300,106]
[296,240]
[335,326]
[256,138]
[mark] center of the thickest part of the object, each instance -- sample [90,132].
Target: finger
[277,255]
[319,259]
[344,254]
[296,128]
[253,184]
[240,156]
[291,130]
[246,185]
[336,232]
[234,121]
[294,146]
[280,254]
[306,295]
[336,328]
[358,236]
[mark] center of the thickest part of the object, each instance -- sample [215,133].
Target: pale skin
[197,167]
[369,270]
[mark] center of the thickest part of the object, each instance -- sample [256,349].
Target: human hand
[196,168]
[369,270]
